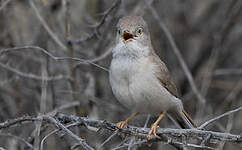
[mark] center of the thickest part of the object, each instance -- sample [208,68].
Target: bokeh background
[208,34]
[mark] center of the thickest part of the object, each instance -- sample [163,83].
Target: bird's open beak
[127,37]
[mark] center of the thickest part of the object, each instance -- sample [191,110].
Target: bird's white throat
[130,49]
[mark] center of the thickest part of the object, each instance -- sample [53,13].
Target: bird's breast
[135,86]
[122,72]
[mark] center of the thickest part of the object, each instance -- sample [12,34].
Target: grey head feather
[132,24]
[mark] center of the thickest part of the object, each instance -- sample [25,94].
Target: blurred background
[208,34]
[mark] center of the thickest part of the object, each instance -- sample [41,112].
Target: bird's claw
[152,132]
[121,124]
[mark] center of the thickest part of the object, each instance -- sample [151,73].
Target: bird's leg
[121,124]
[154,127]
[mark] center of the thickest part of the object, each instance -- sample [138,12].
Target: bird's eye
[139,31]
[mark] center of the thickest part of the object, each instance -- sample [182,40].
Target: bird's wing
[163,75]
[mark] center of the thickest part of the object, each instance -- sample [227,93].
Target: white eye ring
[139,31]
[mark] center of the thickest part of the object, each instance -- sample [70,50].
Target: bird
[140,80]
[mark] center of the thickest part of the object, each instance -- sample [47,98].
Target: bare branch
[65,106]
[164,133]
[83,61]
[99,58]
[228,72]
[24,119]
[51,133]
[66,130]
[108,139]
[33,76]
[218,117]
[98,26]
[4,4]
[72,85]
[143,132]
[18,138]
[16,121]
[45,25]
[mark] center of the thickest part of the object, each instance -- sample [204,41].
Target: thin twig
[229,126]
[120,144]
[83,61]
[218,43]
[98,26]
[18,138]
[126,145]
[147,121]
[66,130]
[142,133]
[129,131]
[227,72]
[3,83]
[200,146]
[131,143]
[51,133]
[232,94]
[218,117]
[45,25]
[16,121]
[108,139]
[98,58]
[33,76]
[37,131]
[4,4]
[65,106]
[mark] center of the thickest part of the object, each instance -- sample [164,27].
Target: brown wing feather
[189,118]
[163,74]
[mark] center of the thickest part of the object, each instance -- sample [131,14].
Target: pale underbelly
[137,88]
[144,95]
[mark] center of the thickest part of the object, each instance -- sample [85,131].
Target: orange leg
[154,127]
[121,124]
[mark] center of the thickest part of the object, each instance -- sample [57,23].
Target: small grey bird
[139,79]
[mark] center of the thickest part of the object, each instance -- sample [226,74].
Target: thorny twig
[130,130]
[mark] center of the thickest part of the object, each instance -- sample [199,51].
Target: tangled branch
[176,137]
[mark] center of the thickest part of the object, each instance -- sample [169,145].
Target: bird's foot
[121,124]
[152,132]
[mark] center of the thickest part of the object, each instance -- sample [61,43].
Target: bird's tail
[183,119]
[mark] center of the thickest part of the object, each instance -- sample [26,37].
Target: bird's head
[133,29]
